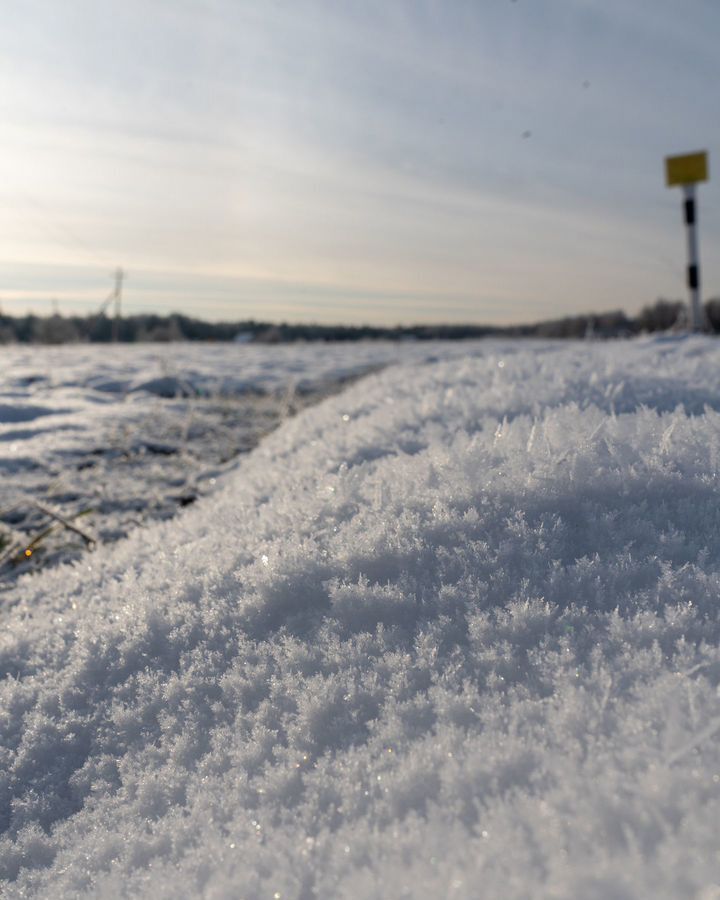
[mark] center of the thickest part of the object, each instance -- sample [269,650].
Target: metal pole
[693,272]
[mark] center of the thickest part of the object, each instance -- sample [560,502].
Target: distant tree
[7,332]
[712,314]
[662,316]
[55,330]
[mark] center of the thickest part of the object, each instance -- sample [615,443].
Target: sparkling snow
[111,437]
[451,633]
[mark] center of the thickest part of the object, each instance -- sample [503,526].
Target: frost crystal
[485,664]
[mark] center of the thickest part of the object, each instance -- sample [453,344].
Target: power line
[114,298]
[117,296]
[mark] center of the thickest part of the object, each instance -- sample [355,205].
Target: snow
[451,633]
[86,389]
[75,394]
[119,436]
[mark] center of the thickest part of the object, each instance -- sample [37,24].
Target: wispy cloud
[488,162]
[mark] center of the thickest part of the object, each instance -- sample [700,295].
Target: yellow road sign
[686,169]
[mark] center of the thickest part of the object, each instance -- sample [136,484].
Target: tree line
[663,315]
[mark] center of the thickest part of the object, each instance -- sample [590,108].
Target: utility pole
[686,171]
[117,298]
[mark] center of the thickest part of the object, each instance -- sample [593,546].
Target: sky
[381,162]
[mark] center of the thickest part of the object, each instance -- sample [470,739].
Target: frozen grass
[453,633]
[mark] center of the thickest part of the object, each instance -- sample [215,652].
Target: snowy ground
[451,633]
[105,439]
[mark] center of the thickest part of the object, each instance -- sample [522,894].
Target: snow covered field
[451,633]
[111,437]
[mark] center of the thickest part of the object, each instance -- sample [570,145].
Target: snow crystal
[485,664]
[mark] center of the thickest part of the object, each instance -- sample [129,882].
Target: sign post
[685,171]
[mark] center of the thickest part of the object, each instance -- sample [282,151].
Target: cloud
[373,147]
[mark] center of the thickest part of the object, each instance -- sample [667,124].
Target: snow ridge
[453,633]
